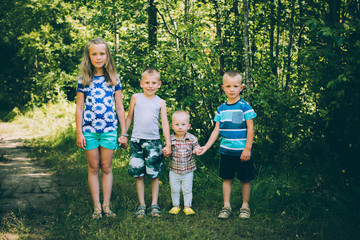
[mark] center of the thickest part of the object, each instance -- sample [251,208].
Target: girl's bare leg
[107,176]
[93,157]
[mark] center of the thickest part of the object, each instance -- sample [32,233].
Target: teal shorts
[106,140]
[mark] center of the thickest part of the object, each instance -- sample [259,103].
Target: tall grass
[47,121]
[286,203]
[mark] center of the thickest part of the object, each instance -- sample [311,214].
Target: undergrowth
[290,202]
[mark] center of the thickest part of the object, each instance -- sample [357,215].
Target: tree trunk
[252,39]
[152,24]
[289,50]
[219,36]
[300,42]
[187,10]
[272,35]
[246,43]
[278,23]
[334,16]
[116,32]
[237,33]
[187,17]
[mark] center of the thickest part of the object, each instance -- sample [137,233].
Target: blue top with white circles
[99,114]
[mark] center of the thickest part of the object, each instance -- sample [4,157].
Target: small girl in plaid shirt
[182,163]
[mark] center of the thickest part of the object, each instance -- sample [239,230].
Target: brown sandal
[96,215]
[225,213]
[244,213]
[109,214]
[155,211]
[106,210]
[140,211]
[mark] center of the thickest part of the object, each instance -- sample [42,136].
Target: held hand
[200,150]
[123,142]
[166,151]
[196,151]
[245,155]
[80,141]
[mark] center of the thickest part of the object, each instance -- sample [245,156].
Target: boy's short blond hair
[233,74]
[181,112]
[151,72]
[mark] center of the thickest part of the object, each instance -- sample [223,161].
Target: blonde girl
[98,91]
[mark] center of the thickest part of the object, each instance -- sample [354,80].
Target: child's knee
[94,169]
[106,169]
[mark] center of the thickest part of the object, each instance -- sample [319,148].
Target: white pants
[184,182]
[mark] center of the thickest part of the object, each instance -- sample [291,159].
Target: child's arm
[166,128]
[130,115]
[210,142]
[80,139]
[120,111]
[246,153]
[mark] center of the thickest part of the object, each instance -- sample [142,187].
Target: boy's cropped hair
[181,112]
[151,71]
[233,74]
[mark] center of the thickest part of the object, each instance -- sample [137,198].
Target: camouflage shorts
[145,157]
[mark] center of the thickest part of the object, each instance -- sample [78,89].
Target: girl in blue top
[98,91]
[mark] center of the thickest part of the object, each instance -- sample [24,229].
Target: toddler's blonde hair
[181,112]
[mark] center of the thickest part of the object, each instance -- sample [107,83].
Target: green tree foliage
[303,63]
[333,74]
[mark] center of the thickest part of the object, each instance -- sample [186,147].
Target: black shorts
[229,165]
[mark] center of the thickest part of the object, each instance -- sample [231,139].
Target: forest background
[301,68]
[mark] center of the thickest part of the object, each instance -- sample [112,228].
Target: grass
[46,121]
[290,203]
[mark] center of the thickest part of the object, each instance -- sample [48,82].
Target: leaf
[339,41]
[327,31]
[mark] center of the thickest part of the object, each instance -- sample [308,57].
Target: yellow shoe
[189,211]
[174,210]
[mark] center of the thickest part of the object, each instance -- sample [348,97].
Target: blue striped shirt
[233,132]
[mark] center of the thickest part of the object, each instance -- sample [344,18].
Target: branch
[169,31]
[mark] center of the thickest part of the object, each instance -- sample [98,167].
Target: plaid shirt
[182,159]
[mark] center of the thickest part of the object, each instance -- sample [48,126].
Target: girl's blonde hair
[87,69]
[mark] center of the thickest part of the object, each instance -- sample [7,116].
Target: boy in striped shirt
[235,126]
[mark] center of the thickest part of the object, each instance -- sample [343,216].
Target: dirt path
[23,184]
